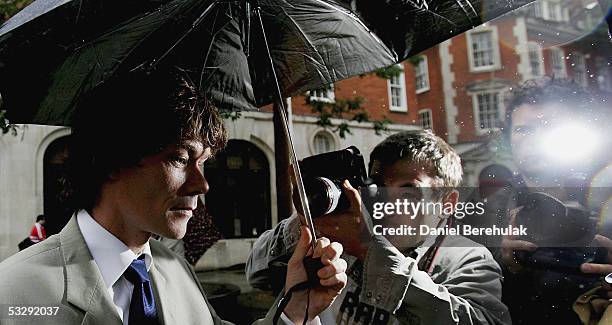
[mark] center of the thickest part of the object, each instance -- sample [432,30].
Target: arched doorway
[239,196]
[54,173]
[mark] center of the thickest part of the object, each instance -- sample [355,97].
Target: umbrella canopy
[55,50]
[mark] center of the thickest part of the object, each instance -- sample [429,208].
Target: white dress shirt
[112,257]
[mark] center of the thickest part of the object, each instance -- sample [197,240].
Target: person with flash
[552,126]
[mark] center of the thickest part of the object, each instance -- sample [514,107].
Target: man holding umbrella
[138,146]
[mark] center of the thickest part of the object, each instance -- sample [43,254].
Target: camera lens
[323,195]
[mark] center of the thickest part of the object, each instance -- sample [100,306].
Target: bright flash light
[569,143]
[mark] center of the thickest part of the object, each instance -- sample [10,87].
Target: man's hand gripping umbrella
[313,259]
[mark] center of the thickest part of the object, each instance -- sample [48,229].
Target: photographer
[398,279]
[550,124]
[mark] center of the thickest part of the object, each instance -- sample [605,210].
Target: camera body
[563,233]
[323,176]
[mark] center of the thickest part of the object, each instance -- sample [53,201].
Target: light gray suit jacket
[60,272]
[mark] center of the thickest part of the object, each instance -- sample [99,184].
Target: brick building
[457,88]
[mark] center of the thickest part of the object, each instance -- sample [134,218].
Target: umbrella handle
[281,110]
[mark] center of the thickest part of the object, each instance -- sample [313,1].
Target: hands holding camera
[602,269]
[346,227]
[511,244]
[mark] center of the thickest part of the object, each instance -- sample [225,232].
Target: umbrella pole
[280,109]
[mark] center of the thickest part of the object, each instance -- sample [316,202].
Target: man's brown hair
[132,117]
[424,147]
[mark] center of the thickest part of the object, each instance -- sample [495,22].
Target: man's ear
[451,199]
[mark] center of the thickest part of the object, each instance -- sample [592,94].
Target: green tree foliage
[346,110]
[388,72]
[8,8]
[233,115]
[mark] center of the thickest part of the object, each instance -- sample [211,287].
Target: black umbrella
[55,50]
[245,53]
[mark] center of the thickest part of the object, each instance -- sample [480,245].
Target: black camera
[563,233]
[323,176]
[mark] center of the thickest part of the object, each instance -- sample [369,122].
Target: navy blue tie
[142,307]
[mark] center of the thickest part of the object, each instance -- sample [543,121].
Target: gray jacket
[463,285]
[60,275]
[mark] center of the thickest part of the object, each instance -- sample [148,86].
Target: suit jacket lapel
[216,319]
[84,285]
[165,306]
[167,273]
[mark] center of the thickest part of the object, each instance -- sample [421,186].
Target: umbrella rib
[308,42]
[214,36]
[471,7]
[193,26]
[465,11]
[328,76]
[78,15]
[441,17]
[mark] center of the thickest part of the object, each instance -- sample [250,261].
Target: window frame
[430,113]
[403,93]
[550,10]
[330,136]
[534,47]
[424,74]
[476,111]
[553,51]
[330,99]
[538,9]
[585,80]
[494,43]
[554,14]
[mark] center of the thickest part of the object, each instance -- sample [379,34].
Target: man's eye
[181,160]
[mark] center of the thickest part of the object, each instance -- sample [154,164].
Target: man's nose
[197,183]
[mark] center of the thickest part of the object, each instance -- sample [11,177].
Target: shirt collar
[110,254]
